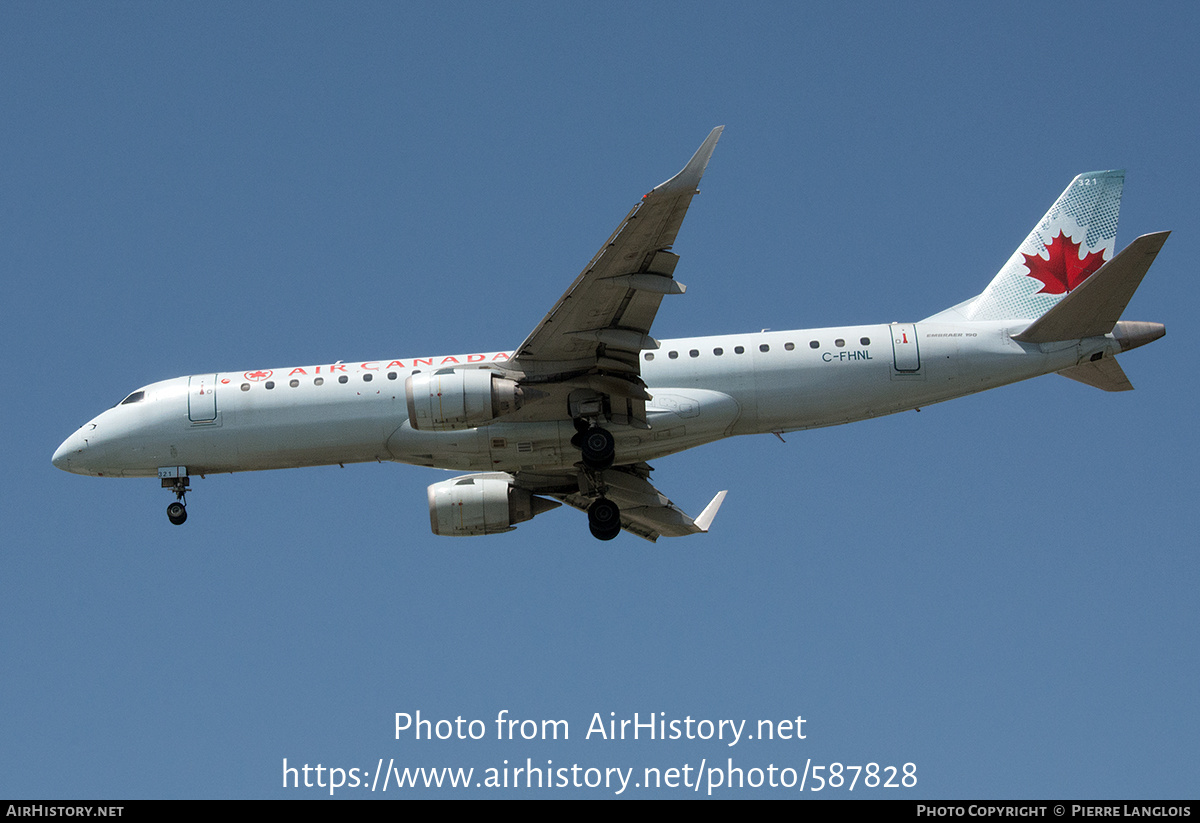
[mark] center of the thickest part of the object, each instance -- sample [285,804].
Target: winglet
[710,511]
[689,178]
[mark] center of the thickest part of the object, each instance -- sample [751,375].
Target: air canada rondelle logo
[258,375]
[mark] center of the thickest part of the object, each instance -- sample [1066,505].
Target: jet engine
[451,399]
[476,504]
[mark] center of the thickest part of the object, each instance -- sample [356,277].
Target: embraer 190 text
[573,414]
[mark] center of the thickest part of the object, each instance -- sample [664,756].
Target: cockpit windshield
[137,397]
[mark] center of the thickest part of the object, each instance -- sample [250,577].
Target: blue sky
[1001,589]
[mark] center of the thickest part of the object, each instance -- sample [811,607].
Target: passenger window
[270,384]
[694,353]
[391,375]
[840,343]
[718,352]
[764,347]
[866,341]
[245,387]
[294,383]
[367,378]
[320,381]
[814,344]
[738,350]
[649,355]
[342,379]
[789,346]
[673,355]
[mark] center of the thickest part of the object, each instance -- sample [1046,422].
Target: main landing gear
[177,511]
[598,448]
[604,519]
[597,444]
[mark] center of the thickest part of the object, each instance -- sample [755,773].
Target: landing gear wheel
[177,513]
[604,519]
[582,424]
[599,448]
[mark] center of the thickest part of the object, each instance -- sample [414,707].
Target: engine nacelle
[476,504]
[452,399]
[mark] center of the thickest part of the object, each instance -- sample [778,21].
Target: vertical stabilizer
[1068,244]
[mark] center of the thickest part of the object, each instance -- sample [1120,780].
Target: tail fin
[1068,244]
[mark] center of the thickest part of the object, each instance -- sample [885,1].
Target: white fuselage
[703,389]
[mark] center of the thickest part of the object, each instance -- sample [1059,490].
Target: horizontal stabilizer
[1095,306]
[1104,374]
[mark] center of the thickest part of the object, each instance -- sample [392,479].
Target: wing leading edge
[598,328]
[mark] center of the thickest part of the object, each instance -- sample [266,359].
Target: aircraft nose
[71,450]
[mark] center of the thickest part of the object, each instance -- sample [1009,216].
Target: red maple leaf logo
[1064,270]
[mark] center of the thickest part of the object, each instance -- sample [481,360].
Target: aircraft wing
[599,327]
[645,511]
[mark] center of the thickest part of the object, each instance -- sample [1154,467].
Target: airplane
[575,412]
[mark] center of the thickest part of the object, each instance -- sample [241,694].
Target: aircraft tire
[599,448]
[177,513]
[604,535]
[604,519]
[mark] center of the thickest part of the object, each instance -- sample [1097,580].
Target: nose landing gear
[177,511]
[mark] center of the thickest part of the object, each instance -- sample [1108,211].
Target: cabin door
[906,357]
[202,398]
